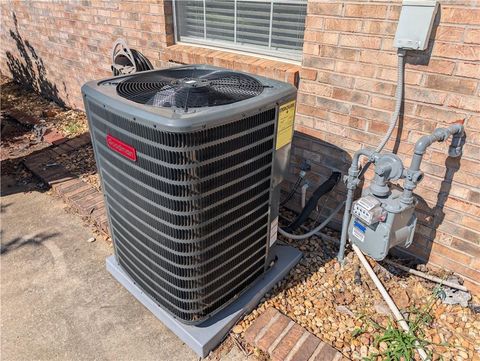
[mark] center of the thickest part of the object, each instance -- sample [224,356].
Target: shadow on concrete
[19,242]
[29,70]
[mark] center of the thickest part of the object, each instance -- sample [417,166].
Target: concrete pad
[57,300]
[205,337]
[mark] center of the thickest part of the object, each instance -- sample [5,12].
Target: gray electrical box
[415,24]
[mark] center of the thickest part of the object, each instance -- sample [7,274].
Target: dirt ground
[338,304]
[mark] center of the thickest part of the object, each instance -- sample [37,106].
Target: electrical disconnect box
[415,24]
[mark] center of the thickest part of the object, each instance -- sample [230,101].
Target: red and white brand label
[122,148]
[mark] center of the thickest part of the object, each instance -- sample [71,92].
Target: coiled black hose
[321,190]
[127,61]
[142,63]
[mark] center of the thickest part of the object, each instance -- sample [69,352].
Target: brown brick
[324,8]
[306,349]
[463,102]
[472,286]
[340,24]
[76,197]
[59,187]
[55,174]
[323,37]
[337,52]
[378,57]
[318,62]
[355,68]
[335,79]
[457,85]
[360,41]
[425,95]
[288,342]
[73,189]
[461,15]
[472,36]
[314,22]
[434,66]
[79,141]
[315,88]
[379,27]
[456,51]
[311,49]
[87,204]
[350,95]
[366,11]
[308,74]
[449,33]
[469,70]
[375,86]
[257,326]
[324,352]
[273,332]
[440,114]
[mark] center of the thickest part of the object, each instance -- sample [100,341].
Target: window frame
[290,55]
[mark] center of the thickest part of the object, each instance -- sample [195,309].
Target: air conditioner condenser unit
[191,160]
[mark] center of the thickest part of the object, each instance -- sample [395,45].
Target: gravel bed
[347,311]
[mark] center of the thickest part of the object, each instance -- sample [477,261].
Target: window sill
[192,54]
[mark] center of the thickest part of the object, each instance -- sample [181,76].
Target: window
[270,27]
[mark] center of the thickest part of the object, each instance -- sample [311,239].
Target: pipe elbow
[456,129]
[422,144]
[356,157]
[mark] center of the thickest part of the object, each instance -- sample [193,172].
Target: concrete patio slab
[58,301]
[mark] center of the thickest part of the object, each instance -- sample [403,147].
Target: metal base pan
[205,337]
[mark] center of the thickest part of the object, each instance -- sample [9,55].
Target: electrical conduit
[353,172]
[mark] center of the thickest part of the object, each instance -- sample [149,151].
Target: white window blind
[261,26]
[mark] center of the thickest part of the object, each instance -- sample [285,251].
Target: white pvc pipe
[427,276]
[391,304]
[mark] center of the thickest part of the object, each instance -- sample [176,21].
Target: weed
[401,345]
[73,128]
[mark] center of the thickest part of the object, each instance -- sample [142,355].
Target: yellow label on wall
[286,117]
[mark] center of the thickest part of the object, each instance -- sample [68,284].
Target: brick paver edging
[285,340]
[84,198]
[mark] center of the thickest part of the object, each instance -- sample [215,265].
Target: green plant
[72,128]
[401,345]
[358,331]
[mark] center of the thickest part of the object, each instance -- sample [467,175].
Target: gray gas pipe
[383,218]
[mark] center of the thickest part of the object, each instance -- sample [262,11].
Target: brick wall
[345,100]
[346,97]
[57,46]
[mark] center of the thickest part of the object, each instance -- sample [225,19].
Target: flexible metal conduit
[314,230]
[353,171]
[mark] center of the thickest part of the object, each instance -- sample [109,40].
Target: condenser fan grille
[189,88]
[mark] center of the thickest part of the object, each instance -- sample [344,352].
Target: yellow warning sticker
[286,119]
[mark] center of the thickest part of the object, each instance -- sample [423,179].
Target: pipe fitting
[414,175]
